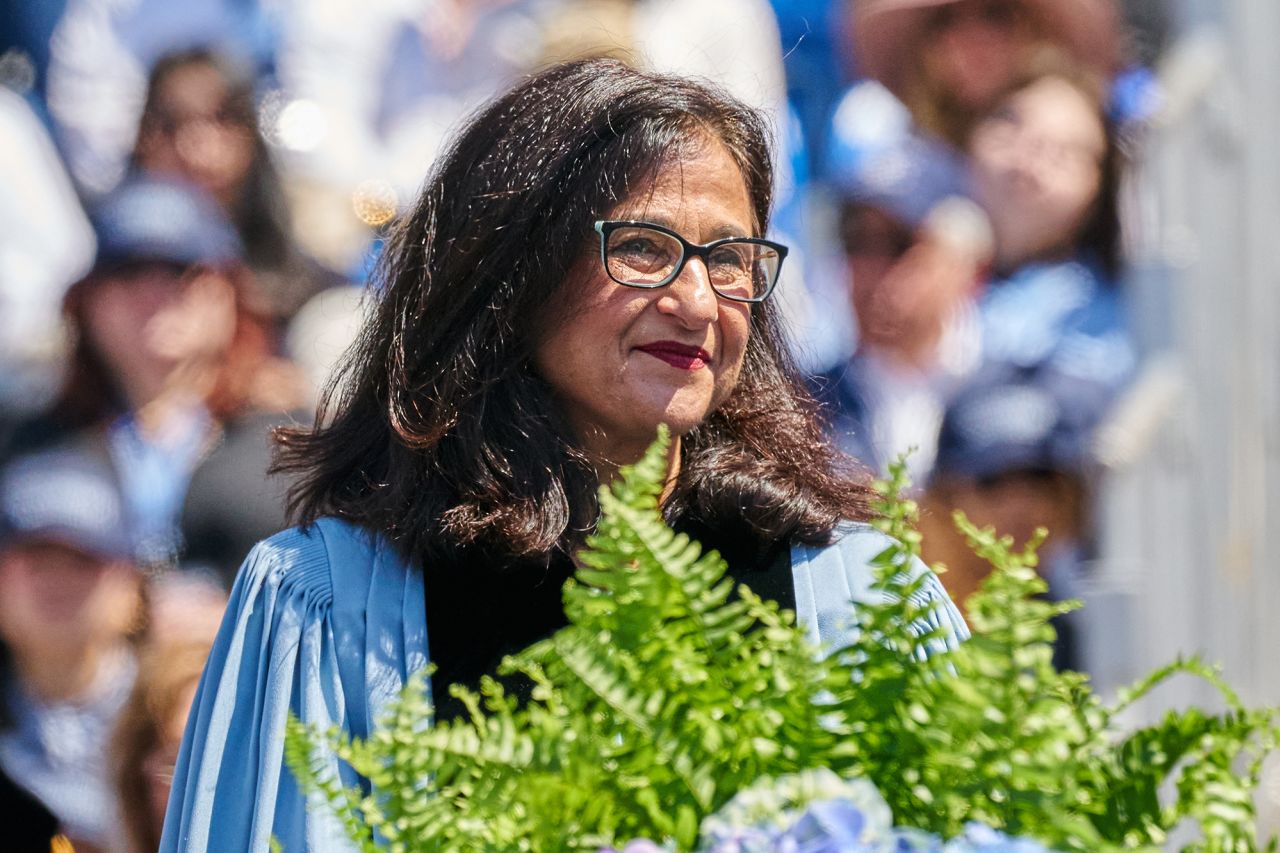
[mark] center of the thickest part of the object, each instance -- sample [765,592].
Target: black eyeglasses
[642,254]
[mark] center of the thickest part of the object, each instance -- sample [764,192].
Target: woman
[1046,167]
[165,352]
[71,603]
[529,341]
[199,125]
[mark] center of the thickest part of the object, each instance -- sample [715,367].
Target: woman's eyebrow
[722,231]
[719,232]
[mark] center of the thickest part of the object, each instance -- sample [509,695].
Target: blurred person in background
[199,124]
[934,66]
[145,744]
[1046,166]
[71,600]
[917,334]
[1015,453]
[949,61]
[369,93]
[94,69]
[45,244]
[165,353]
[29,827]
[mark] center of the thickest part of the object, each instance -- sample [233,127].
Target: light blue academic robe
[328,623]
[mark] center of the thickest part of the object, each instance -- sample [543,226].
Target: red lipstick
[678,355]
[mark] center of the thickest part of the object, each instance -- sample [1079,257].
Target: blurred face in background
[1015,503]
[1037,162]
[195,130]
[905,286]
[973,48]
[1018,502]
[874,242]
[56,600]
[145,320]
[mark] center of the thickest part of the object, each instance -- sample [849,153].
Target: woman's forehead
[701,182]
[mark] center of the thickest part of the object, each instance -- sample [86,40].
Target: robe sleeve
[277,652]
[831,580]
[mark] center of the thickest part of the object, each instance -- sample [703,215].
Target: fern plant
[668,693]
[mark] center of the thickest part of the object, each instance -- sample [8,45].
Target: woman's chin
[682,423]
[641,428]
[678,423]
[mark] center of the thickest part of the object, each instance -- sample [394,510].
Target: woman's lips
[678,355]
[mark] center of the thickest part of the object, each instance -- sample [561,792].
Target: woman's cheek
[737,336]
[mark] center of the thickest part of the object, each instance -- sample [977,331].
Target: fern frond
[668,693]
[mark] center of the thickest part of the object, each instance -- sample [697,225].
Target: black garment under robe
[477,615]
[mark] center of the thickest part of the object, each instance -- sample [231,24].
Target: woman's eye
[638,246]
[730,259]
[642,252]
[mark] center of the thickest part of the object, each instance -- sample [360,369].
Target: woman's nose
[690,297]
[201,143]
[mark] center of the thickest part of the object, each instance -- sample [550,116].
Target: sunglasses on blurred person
[996,14]
[1009,132]
[139,269]
[866,231]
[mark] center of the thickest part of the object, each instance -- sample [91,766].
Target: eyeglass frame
[605,227]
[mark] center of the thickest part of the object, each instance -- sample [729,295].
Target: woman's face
[1037,161]
[974,47]
[191,132]
[148,319]
[623,360]
[1017,503]
[55,599]
[905,286]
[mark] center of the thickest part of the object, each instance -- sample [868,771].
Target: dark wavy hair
[439,433]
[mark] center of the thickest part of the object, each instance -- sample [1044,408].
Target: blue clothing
[1062,315]
[55,751]
[879,410]
[328,622]
[154,472]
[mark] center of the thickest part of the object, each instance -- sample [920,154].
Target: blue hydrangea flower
[798,808]
[817,811]
[979,838]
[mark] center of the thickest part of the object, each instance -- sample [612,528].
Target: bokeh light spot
[301,125]
[375,202]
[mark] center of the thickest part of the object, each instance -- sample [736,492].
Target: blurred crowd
[193,196]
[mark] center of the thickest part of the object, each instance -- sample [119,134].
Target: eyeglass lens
[643,257]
